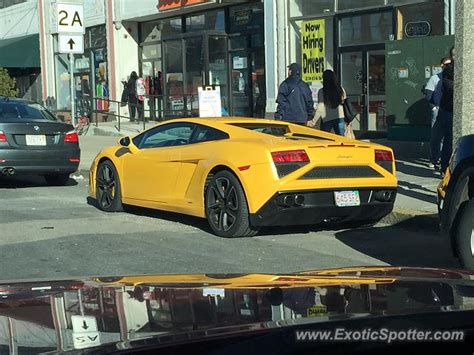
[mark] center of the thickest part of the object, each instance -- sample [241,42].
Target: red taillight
[3,137]
[383,155]
[71,137]
[74,160]
[290,156]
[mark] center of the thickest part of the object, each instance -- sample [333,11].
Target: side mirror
[125,141]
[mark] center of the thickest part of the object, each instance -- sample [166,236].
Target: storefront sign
[164,5]
[210,101]
[242,18]
[417,29]
[313,50]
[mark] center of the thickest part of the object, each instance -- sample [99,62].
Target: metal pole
[118,105]
[81,305]
[71,81]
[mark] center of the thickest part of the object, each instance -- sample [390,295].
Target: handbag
[349,111]
[349,131]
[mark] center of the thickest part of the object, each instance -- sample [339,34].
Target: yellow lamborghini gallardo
[242,174]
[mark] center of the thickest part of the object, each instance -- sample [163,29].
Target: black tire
[226,207]
[109,197]
[464,237]
[57,179]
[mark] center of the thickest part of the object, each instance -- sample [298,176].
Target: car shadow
[28,181]
[413,242]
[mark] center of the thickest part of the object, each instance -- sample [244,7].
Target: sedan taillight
[3,137]
[71,137]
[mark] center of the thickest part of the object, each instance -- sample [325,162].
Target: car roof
[230,120]
[15,99]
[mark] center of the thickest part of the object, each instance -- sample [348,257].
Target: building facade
[244,47]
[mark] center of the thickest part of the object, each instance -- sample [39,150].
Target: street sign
[86,340]
[81,324]
[84,332]
[70,18]
[69,43]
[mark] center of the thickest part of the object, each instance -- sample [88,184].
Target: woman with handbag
[330,107]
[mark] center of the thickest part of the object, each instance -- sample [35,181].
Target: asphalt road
[57,232]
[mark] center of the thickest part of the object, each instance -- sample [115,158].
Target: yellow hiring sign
[313,50]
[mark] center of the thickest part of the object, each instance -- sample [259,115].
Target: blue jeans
[338,126]
[437,135]
[445,119]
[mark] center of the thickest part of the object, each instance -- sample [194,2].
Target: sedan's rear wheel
[108,188]
[57,179]
[465,236]
[226,207]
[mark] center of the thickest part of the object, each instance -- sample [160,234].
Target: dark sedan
[34,141]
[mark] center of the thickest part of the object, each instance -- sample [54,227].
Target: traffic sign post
[70,26]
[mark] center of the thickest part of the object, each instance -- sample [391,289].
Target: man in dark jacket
[445,114]
[295,100]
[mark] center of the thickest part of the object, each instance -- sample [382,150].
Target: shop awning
[20,52]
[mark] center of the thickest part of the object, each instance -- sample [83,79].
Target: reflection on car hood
[86,312]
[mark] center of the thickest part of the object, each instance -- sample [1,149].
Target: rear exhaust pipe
[8,171]
[288,200]
[299,200]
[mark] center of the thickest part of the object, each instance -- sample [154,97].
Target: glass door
[194,73]
[362,74]
[352,81]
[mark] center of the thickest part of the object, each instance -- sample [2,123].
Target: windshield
[12,109]
[219,138]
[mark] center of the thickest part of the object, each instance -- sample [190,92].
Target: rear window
[277,130]
[24,110]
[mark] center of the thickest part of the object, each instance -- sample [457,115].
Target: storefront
[219,47]
[355,34]
[90,71]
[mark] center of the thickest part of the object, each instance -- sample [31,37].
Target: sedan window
[168,136]
[24,110]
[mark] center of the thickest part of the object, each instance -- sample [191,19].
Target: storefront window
[364,29]
[171,27]
[150,32]
[214,20]
[355,4]
[151,51]
[311,7]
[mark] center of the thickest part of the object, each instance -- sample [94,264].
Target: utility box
[409,65]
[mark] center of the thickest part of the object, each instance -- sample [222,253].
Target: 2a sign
[70,18]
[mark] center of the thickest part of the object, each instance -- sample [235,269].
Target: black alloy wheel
[226,207]
[464,236]
[108,188]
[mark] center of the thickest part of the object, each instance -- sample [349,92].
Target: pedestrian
[330,107]
[433,92]
[295,99]
[132,95]
[445,114]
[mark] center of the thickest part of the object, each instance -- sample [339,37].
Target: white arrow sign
[70,18]
[70,43]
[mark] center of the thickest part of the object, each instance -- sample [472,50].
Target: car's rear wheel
[226,207]
[465,236]
[57,179]
[108,188]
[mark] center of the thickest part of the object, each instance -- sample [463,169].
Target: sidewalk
[417,183]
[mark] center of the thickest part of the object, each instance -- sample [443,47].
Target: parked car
[34,141]
[456,201]
[243,173]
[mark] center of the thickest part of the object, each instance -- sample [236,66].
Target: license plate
[35,139]
[347,198]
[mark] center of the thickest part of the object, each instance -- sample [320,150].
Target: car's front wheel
[226,206]
[465,236]
[108,188]
[57,179]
